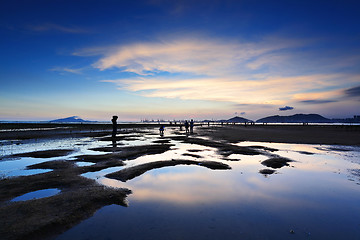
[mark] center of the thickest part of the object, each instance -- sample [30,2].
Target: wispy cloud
[198,68]
[241,90]
[56,27]
[199,56]
[353,92]
[317,101]
[67,70]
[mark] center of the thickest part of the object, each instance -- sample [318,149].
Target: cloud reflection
[193,186]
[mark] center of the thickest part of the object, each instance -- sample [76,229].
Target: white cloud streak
[271,90]
[217,70]
[195,56]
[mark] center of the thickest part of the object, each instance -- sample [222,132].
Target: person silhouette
[191,126]
[161,129]
[113,120]
[186,126]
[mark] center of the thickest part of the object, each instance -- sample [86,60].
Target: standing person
[191,126]
[186,126]
[113,120]
[161,129]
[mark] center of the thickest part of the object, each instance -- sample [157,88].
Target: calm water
[37,194]
[316,197]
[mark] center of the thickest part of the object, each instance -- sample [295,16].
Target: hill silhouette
[73,119]
[238,120]
[297,118]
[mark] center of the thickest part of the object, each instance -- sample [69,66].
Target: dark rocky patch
[264,148]
[70,164]
[119,138]
[225,149]
[46,153]
[56,164]
[126,153]
[192,155]
[195,150]
[276,162]
[42,218]
[267,171]
[230,159]
[132,172]
[162,141]
[148,149]
[306,153]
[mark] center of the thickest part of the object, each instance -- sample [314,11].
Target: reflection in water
[11,168]
[37,194]
[114,145]
[312,197]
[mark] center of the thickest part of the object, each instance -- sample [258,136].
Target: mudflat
[308,134]
[81,197]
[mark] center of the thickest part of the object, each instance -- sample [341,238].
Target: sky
[163,59]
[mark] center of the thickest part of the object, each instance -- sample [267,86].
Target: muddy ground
[81,197]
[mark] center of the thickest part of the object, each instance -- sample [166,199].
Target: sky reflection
[317,196]
[191,202]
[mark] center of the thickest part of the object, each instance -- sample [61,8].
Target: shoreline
[308,134]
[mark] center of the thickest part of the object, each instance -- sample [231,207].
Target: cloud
[67,70]
[187,55]
[317,101]
[353,92]
[55,27]
[200,68]
[257,106]
[321,95]
[286,108]
[239,90]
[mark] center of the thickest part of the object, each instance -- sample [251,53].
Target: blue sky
[160,59]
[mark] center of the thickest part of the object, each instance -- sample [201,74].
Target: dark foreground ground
[309,134]
[80,197]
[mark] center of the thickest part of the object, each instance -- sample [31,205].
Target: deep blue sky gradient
[41,39]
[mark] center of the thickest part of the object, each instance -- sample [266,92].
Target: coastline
[287,133]
[309,134]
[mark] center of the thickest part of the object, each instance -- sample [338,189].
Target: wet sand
[309,134]
[81,197]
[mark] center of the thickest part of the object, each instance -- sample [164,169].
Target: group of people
[189,126]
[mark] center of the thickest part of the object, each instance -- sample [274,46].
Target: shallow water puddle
[317,196]
[17,167]
[311,198]
[82,164]
[37,194]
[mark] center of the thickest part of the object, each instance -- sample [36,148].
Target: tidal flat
[221,182]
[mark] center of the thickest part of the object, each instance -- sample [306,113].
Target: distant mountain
[73,119]
[297,118]
[231,120]
[238,120]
